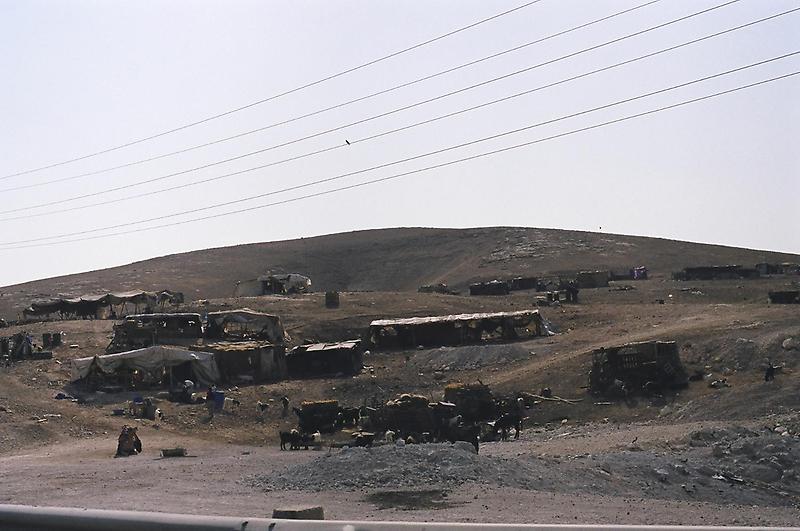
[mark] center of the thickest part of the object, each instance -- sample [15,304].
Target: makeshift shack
[523,283]
[408,414]
[721,272]
[457,329]
[784,297]
[474,402]
[248,361]
[592,279]
[320,415]
[785,268]
[636,273]
[331,299]
[284,284]
[153,366]
[139,331]
[20,346]
[269,284]
[102,305]
[632,368]
[245,324]
[493,287]
[319,359]
[436,288]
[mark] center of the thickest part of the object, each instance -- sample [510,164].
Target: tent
[149,360]
[457,329]
[246,324]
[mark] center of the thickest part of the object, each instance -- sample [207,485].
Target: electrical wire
[392,131]
[276,96]
[326,109]
[395,176]
[368,119]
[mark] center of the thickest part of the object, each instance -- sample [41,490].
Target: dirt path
[211,481]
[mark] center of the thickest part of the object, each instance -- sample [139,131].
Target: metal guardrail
[24,517]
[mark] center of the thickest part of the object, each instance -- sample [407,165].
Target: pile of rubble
[770,456]
[469,357]
[398,466]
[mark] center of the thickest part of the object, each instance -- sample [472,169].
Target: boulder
[791,344]
[465,446]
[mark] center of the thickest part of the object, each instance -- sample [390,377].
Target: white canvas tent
[149,360]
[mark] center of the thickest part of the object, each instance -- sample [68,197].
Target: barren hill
[390,260]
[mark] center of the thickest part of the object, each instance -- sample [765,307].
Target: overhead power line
[398,129]
[275,96]
[326,109]
[370,118]
[417,171]
[416,157]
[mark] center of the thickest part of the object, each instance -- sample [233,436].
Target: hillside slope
[389,260]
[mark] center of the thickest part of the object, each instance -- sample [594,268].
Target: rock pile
[768,456]
[469,357]
[395,466]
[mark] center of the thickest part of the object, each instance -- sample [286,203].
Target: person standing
[285,402]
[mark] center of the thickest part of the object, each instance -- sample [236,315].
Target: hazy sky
[82,76]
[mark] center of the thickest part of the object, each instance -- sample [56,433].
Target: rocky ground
[702,455]
[640,473]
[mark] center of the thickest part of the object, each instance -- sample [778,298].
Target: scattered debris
[173,452]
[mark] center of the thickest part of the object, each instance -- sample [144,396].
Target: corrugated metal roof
[317,347]
[453,318]
[237,346]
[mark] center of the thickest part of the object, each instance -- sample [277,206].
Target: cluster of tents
[90,306]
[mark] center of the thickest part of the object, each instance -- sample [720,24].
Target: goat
[261,409]
[506,422]
[286,438]
[292,438]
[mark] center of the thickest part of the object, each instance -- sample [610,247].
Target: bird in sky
[348,142]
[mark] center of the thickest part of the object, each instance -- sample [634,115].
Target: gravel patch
[469,357]
[391,466]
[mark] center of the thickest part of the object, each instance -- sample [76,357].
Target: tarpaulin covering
[262,324]
[149,359]
[462,317]
[93,301]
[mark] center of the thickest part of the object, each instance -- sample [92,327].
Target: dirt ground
[213,480]
[59,452]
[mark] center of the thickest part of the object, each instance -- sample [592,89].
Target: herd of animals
[425,423]
[443,424]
